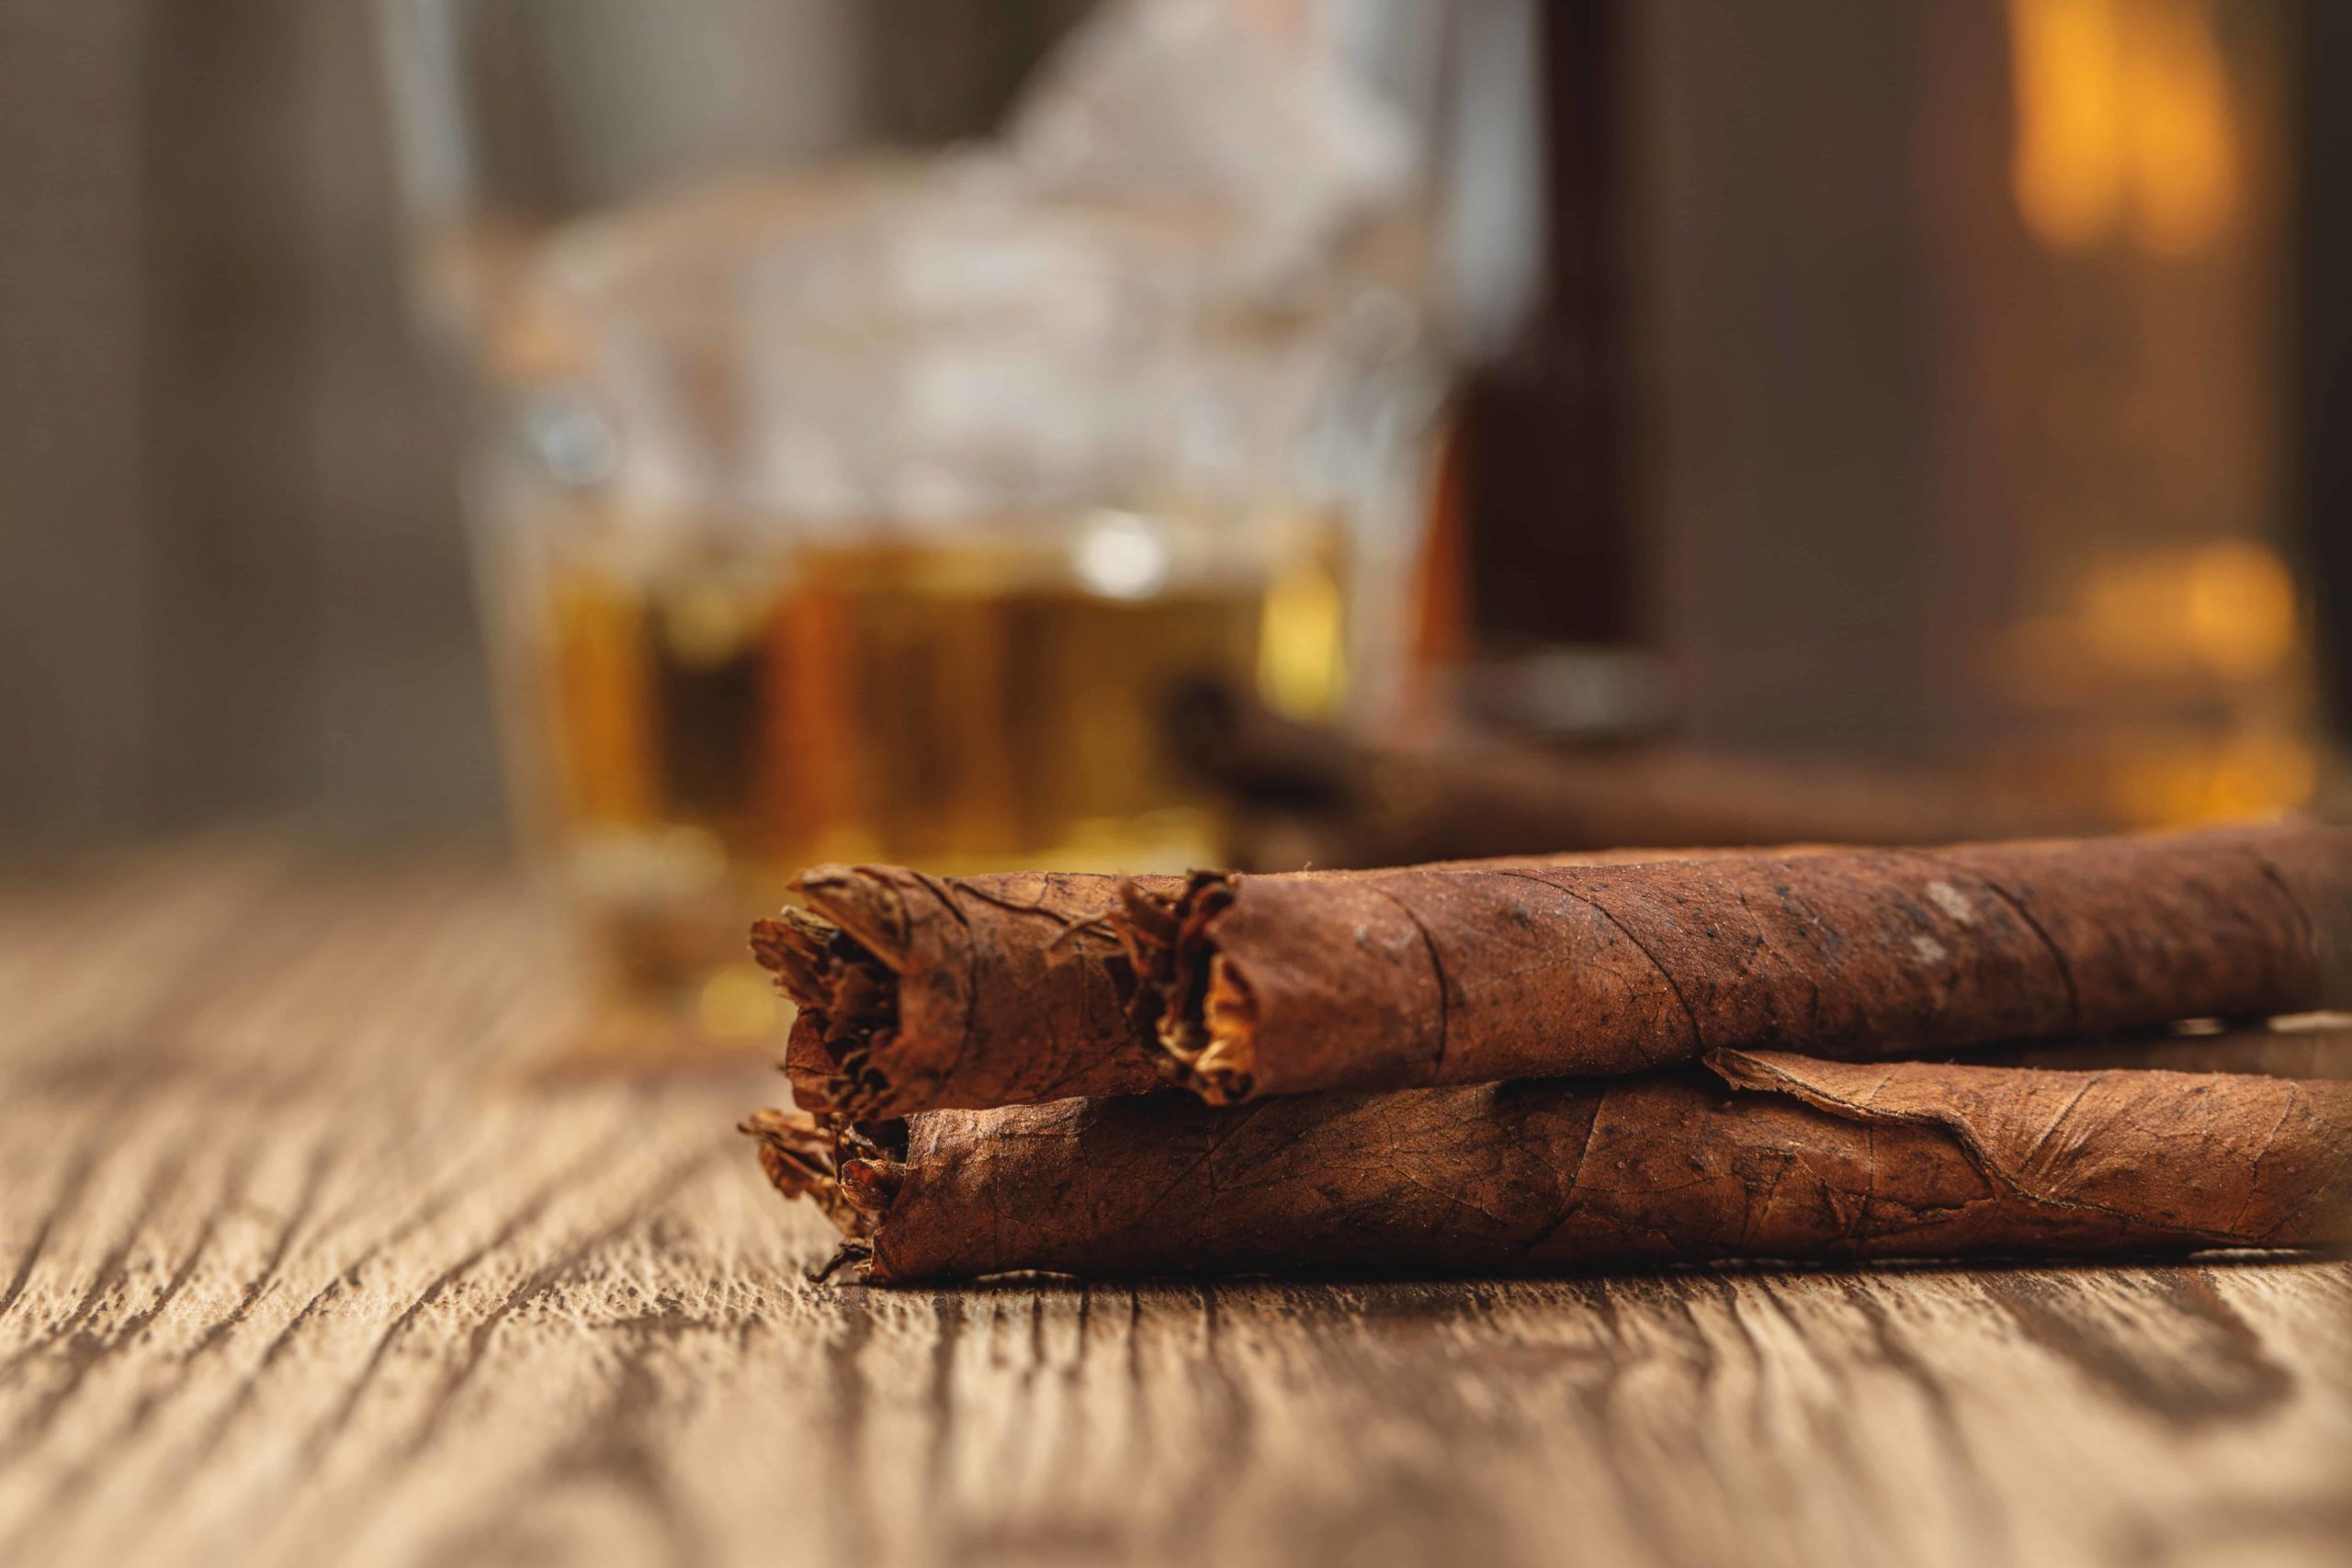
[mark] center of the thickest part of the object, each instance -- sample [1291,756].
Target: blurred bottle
[2158,653]
[1965,425]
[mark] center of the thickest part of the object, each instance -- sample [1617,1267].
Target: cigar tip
[792,946]
[853,1173]
[797,1153]
[1195,1009]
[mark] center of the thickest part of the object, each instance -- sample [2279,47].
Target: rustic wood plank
[307,1258]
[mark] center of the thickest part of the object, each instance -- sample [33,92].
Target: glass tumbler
[877,409]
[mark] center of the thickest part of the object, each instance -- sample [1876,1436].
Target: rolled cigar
[922,993]
[1305,793]
[1260,985]
[1775,1156]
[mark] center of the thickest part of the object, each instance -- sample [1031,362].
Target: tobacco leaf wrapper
[920,992]
[1773,1157]
[1260,986]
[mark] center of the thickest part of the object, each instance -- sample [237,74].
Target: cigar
[1258,986]
[1762,1154]
[1302,792]
[925,993]
[920,992]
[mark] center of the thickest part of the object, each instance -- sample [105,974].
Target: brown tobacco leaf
[1799,1158]
[1260,986]
[922,993]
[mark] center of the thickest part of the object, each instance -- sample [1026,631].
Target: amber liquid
[708,732]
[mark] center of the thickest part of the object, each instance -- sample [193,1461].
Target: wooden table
[306,1257]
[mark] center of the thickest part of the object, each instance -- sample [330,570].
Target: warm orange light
[2240,614]
[2182,145]
[2255,774]
[2068,168]
[2225,609]
[2262,773]
[2122,109]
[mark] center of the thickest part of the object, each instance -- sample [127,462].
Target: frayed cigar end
[852,1174]
[846,986]
[792,947]
[1225,1068]
[1196,1007]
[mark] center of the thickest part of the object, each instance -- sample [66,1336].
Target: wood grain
[306,1257]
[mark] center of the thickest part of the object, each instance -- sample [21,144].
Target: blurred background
[721,436]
